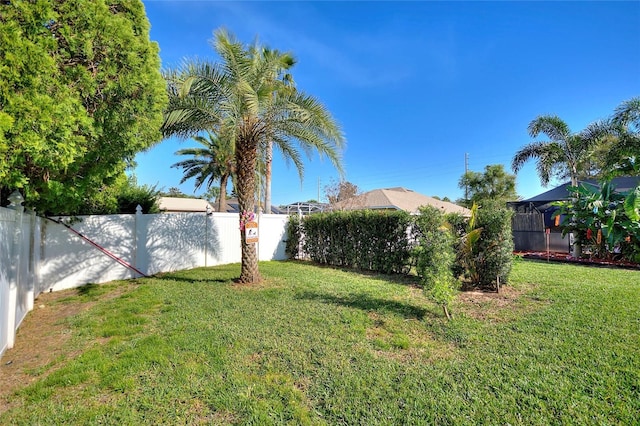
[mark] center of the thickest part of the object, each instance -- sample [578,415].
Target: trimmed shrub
[363,239]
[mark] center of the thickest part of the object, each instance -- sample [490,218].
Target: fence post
[31,279]
[137,239]
[14,271]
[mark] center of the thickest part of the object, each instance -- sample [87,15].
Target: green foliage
[468,254]
[292,244]
[123,196]
[363,239]
[485,251]
[495,245]
[132,195]
[80,94]
[435,257]
[604,221]
[495,185]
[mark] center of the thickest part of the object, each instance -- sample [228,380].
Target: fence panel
[7,223]
[69,261]
[271,234]
[50,256]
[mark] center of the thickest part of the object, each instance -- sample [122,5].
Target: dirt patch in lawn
[43,340]
[497,307]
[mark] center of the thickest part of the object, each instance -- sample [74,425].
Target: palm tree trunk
[246,160]
[222,198]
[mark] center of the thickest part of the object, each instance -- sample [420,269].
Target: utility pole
[466,169]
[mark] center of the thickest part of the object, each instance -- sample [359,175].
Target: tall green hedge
[363,239]
[391,242]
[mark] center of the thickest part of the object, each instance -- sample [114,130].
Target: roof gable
[398,198]
[621,184]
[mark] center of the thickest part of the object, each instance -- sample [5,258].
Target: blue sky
[416,85]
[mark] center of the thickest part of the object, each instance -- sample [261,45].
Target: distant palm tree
[624,157]
[617,148]
[237,96]
[214,161]
[561,156]
[284,62]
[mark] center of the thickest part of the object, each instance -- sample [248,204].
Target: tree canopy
[80,95]
[341,190]
[495,185]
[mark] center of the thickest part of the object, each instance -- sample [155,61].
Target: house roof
[398,199]
[183,205]
[233,206]
[621,184]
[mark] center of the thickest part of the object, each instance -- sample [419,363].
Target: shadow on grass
[171,277]
[403,279]
[368,304]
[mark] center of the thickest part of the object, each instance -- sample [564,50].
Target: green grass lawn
[315,345]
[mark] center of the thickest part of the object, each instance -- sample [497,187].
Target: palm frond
[628,113]
[551,125]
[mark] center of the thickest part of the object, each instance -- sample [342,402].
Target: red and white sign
[251,232]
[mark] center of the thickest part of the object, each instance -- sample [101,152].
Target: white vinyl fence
[38,254]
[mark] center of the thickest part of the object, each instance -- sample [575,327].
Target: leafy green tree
[80,94]
[494,185]
[215,161]
[561,156]
[239,96]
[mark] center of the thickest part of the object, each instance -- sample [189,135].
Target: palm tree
[239,95]
[215,160]
[284,62]
[617,142]
[624,157]
[561,156]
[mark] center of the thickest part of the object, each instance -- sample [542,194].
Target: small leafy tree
[435,257]
[485,251]
[468,255]
[494,184]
